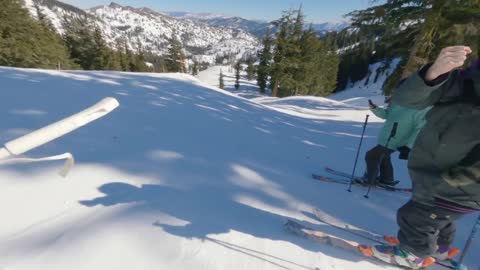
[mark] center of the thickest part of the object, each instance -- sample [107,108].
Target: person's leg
[386,168]
[373,158]
[447,234]
[445,239]
[423,227]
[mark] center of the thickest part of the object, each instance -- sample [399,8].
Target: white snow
[183,176]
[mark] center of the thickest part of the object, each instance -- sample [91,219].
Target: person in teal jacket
[409,123]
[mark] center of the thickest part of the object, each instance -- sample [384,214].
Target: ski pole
[475,229]
[393,132]
[57,129]
[358,152]
[11,150]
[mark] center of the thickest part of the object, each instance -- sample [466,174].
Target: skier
[410,122]
[444,163]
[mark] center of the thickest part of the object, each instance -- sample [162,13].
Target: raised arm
[424,88]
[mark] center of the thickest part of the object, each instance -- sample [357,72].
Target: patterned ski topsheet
[369,235]
[347,245]
[331,240]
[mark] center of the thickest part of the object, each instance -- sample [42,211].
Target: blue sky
[315,10]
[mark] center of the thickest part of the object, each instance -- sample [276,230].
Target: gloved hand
[449,59]
[404,152]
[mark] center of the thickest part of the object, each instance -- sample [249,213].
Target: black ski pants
[378,158]
[423,228]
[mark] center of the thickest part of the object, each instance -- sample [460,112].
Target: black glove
[404,152]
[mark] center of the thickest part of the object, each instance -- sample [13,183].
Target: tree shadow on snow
[206,217]
[222,158]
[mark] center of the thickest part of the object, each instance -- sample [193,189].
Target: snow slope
[182,176]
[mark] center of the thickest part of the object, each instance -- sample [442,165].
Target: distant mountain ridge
[256,27]
[205,36]
[152,29]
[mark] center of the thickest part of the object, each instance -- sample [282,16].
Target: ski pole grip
[394,130]
[366,121]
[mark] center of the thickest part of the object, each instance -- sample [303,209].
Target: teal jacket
[410,122]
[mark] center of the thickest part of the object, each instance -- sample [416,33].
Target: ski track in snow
[184,175]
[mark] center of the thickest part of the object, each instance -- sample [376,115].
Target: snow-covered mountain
[256,27]
[326,27]
[153,29]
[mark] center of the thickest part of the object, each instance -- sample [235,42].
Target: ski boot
[443,253]
[396,256]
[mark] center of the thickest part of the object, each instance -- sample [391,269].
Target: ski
[356,183]
[339,173]
[374,237]
[332,240]
[347,176]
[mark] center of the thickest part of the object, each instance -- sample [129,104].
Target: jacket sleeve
[380,112]
[416,93]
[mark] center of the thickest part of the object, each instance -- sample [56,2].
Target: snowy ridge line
[153,30]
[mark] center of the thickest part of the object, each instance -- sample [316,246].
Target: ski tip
[428,262]
[392,240]
[365,250]
[453,252]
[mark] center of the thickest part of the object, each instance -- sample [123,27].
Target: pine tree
[286,70]
[81,43]
[238,68]
[138,60]
[175,57]
[265,59]
[26,42]
[318,69]
[221,81]
[195,68]
[114,61]
[303,64]
[417,30]
[101,55]
[280,53]
[250,69]
[121,55]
